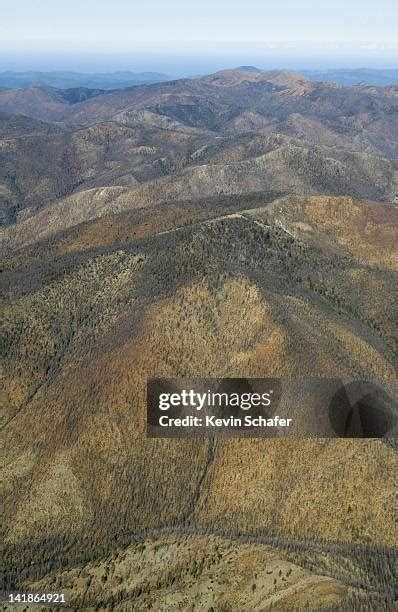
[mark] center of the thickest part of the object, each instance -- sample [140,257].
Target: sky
[155,33]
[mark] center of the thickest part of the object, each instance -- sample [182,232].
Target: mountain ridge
[143,134]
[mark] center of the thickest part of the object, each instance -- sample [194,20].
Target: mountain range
[294,135]
[355,76]
[113,80]
[240,224]
[68,79]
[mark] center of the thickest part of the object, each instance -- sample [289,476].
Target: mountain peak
[249,69]
[235,76]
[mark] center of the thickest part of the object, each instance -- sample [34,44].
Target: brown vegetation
[203,269]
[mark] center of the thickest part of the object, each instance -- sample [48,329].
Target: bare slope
[232,132]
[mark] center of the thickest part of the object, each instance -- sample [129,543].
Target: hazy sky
[250,28]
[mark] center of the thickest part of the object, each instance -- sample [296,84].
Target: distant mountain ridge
[61,79]
[69,79]
[354,76]
[380,77]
